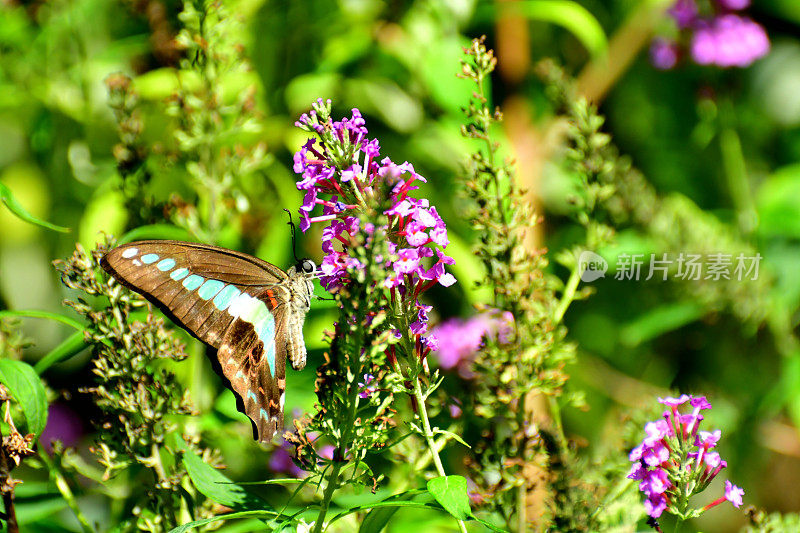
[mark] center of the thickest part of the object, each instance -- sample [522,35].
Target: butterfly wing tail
[267,412]
[241,356]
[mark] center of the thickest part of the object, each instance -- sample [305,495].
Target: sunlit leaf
[33,313]
[570,15]
[16,208]
[451,493]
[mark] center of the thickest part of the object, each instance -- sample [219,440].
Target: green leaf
[570,15]
[156,231]
[385,504]
[16,208]
[71,346]
[214,485]
[778,203]
[451,493]
[378,517]
[277,481]
[660,320]
[32,313]
[35,510]
[244,514]
[490,526]
[451,435]
[25,386]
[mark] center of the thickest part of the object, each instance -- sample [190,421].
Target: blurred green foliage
[100,121]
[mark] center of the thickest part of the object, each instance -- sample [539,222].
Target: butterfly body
[250,311]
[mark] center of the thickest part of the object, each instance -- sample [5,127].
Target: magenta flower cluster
[366,387]
[458,340]
[341,171]
[677,460]
[723,38]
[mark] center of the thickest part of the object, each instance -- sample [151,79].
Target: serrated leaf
[451,493]
[16,208]
[27,389]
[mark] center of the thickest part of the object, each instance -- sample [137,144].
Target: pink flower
[664,53]
[729,41]
[655,505]
[733,494]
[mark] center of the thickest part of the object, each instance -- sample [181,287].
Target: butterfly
[250,311]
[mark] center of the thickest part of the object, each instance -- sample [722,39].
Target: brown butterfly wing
[234,302]
[246,365]
[262,394]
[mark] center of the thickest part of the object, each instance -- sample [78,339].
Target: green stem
[569,293]
[333,484]
[154,462]
[426,428]
[428,434]
[338,456]
[66,492]
[555,411]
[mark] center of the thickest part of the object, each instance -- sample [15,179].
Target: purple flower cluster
[729,41]
[366,388]
[722,38]
[458,340]
[341,172]
[665,478]
[281,462]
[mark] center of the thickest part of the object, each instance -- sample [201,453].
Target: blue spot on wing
[165,264]
[270,347]
[225,297]
[209,289]
[179,274]
[264,414]
[192,282]
[265,329]
[251,394]
[149,258]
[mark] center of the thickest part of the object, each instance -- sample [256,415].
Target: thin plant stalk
[66,492]
[428,434]
[8,494]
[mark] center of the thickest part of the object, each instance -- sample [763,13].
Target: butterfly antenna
[294,236]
